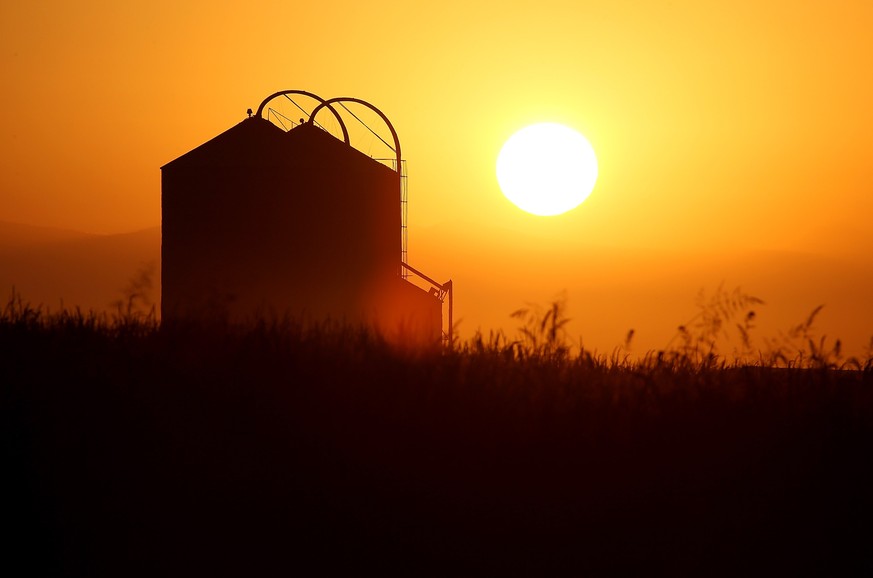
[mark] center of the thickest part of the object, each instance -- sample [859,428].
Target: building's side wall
[308,232]
[341,227]
[208,269]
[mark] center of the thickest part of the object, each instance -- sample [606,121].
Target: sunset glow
[537,288]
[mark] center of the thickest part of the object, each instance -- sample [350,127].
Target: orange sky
[723,130]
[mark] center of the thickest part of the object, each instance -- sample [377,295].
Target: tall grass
[283,447]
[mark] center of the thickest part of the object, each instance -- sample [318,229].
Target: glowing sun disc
[546,169]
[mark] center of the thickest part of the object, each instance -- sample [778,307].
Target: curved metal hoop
[322,104]
[340,99]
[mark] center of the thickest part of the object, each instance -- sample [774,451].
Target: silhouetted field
[131,449]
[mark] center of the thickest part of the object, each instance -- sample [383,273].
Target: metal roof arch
[322,104]
[341,99]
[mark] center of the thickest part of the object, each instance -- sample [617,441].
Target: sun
[546,169]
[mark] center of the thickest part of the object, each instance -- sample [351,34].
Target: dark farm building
[260,221]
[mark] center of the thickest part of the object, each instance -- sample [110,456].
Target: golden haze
[728,133]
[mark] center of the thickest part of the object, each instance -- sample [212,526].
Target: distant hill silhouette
[17,235]
[50,267]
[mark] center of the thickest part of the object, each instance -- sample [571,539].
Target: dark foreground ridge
[130,450]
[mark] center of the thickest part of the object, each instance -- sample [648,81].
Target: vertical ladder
[404,216]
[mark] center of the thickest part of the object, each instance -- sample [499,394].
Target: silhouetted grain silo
[265,220]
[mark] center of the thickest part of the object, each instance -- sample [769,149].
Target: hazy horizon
[602,308]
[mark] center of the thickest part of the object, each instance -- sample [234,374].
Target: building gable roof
[245,143]
[258,142]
